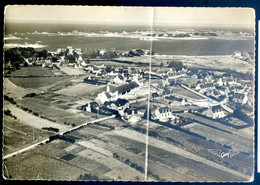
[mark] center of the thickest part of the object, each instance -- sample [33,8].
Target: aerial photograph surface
[128,94]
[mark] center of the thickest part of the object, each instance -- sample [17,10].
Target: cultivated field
[18,135]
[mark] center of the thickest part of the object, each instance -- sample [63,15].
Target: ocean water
[51,39]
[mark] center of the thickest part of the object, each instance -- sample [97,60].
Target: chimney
[108,89]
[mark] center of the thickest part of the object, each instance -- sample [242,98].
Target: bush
[88,176]
[11,100]
[30,95]
[51,129]
[7,112]
[175,64]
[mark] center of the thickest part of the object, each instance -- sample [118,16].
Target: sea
[18,34]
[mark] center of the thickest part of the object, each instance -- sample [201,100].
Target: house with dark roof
[204,87]
[164,114]
[119,79]
[215,112]
[240,98]
[90,107]
[155,95]
[119,105]
[113,93]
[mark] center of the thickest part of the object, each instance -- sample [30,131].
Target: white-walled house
[164,114]
[240,98]
[215,112]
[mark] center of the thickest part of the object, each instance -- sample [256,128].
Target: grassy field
[71,70]
[220,62]
[32,71]
[32,120]
[184,92]
[57,111]
[14,91]
[18,135]
[82,89]
[223,138]
[45,83]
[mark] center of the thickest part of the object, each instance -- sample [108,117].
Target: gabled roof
[164,109]
[126,87]
[95,68]
[120,77]
[206,85]
[108,95]
[239,95]
[216,108]
[120,102]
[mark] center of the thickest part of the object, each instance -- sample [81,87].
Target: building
[155,95]
[129,112]
[240,98]
[164,114]
[119,79]
[215,112]
[90,107]
[113,93]
[120,105]
[204,87]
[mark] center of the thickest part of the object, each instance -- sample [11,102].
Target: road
[60,133]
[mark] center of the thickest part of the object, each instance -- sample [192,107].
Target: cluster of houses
[123,80]
[245,56]
[217,93]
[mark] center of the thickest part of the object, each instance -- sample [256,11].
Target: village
[192,102]
[204,93]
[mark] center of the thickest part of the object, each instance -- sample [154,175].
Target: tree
[178,65]
[71,58]
[7,112]
[42,54]
[161,64]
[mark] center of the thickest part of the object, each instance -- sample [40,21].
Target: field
[81,90]
[223,138]
[32,71]
[14,91]
[18,135]
[183,92]
[71,71]
[45,83]
[220,62]
[33,121]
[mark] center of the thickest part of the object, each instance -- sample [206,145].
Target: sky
[131,15]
